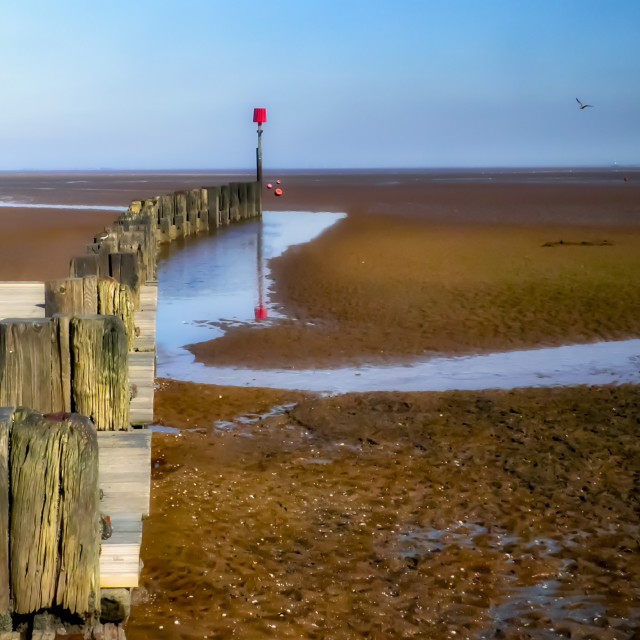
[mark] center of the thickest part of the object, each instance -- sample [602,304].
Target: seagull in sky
[583,106]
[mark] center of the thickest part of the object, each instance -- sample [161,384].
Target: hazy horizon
[313,170]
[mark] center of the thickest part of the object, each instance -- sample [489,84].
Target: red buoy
[277,181]
[626,179]
[269,186]
[278,192]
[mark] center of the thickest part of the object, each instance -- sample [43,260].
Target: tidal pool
[215,282]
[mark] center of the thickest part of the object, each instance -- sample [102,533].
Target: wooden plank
[21,300]
[125,480]
[149,296]
[138,438]
[125,492]
[142,379]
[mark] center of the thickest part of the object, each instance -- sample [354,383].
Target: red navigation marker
[259,116]
[260,312]
[278,192]
[269,186]
[277,181]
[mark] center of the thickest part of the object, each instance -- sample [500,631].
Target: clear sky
[168,84]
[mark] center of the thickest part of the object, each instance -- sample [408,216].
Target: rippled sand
[388,515]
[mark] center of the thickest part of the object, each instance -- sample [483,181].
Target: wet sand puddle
[214,283]
[43,205]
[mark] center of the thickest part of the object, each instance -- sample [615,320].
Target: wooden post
[243,194]
[82,266]
[115,299]
[33,372]
[193,209]
[257,195]
[99,357]
[6,421]
[225,195]
[104,244]
[71,296]
[55,526]
[203,213]
[164,232]
[234,202]
[213,204]
[124,268]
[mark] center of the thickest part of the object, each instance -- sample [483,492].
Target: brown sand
[394,515]
[37,244]
[422,267]
[492,514]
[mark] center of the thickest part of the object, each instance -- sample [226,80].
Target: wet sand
[469,515]
[424,267]
[37,244]
[393,515]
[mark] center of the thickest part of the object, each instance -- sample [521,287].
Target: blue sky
[154,84]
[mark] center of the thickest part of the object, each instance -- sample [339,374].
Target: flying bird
[583,106]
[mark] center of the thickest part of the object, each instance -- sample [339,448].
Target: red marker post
[259,117]
[260,311]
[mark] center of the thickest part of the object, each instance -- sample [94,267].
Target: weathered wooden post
[34,363]
[115,299]
[99,358]
[213,205]
[203,213]
[82,266]
[55,526]
[225,198]
[234,202]
[6,420]
[181,222]
[124,267]
[71,296]
[193,209]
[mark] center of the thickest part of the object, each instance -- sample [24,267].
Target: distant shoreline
[332,170]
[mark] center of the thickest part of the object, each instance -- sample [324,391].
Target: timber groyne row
[77,365]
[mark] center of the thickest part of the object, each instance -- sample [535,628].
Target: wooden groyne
[77,367]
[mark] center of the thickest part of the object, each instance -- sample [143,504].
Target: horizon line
[236,171]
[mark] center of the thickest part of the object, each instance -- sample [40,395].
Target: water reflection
[217,278]
[214,282]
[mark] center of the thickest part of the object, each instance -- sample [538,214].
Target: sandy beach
[395,515]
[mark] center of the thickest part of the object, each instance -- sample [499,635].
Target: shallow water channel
[211,283]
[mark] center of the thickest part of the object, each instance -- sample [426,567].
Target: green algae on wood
[6,420]
[115,299]
[100,386]
[55,534]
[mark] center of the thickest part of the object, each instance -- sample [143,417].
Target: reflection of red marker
[278,192]
[269,186]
